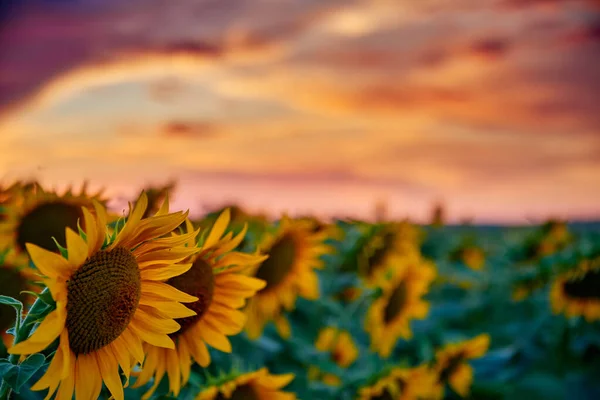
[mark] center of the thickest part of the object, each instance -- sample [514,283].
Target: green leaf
[46,297]
[17,305]
[27,369]
[16,376]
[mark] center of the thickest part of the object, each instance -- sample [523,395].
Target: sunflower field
[150,303]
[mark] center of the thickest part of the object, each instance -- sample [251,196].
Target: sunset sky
[311,106]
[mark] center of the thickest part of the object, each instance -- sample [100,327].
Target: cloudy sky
[321,106]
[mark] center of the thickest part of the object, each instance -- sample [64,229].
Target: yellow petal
[218,229]
[173,371]
[77,248]
[213,337]
[133,344]
[198,349]
[50,264]
[167,309]
[148,334]
[90,231]
[87,376]
[109,369]
[45,334]
[238,281]
[158,324]
[164,208]
[166,291]
[164,272]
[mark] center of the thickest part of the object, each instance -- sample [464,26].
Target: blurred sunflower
[470,255]
[38,216]
[342,351]
[401,384]
[294,252]
[156,196]
[110,298]
[451,364]
[15,277]
[577,291]
[401,301]
[384,247]
[215,280]
[257,385]
[523,289]
[327,230]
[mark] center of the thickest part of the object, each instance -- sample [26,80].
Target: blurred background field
[457,142]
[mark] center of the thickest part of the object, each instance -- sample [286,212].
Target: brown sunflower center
[378,256]
[281,259]
[244,392]
[11,284]
[198,281]
[588,287]
[396,303]
[46,221]
[102,296]
[453,364]
[386,395]
[337,356]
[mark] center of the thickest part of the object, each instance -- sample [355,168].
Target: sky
[310,106]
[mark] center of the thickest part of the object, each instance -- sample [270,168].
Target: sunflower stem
[20,335]
[26,325]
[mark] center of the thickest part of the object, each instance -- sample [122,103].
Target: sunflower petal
[218,229]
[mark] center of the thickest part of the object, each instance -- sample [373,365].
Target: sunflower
[110,298]
[215,280]
[382,250]
[37,216]
[401,384]
[256,385]
[15,277]
[401,301]
[577,291]
[327,230]
[294,252]
[342,351]
[470,255]
[451,364]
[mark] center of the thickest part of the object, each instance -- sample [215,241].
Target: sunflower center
[46,221]
[588,287]
[244,392]
[378,256]
[386,395]
[396,303]
[102,296]
[198,281]
[11,284]
[281,259]
[453,363]
[336,356]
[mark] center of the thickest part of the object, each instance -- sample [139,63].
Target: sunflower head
[451,363]
[389,242]
[577,292]
[40,217]
[111,297]
[338,344]
[256,385]
[400,383]
[215,280]
[403,288]
[293,255]
[341,349]
[470,255]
